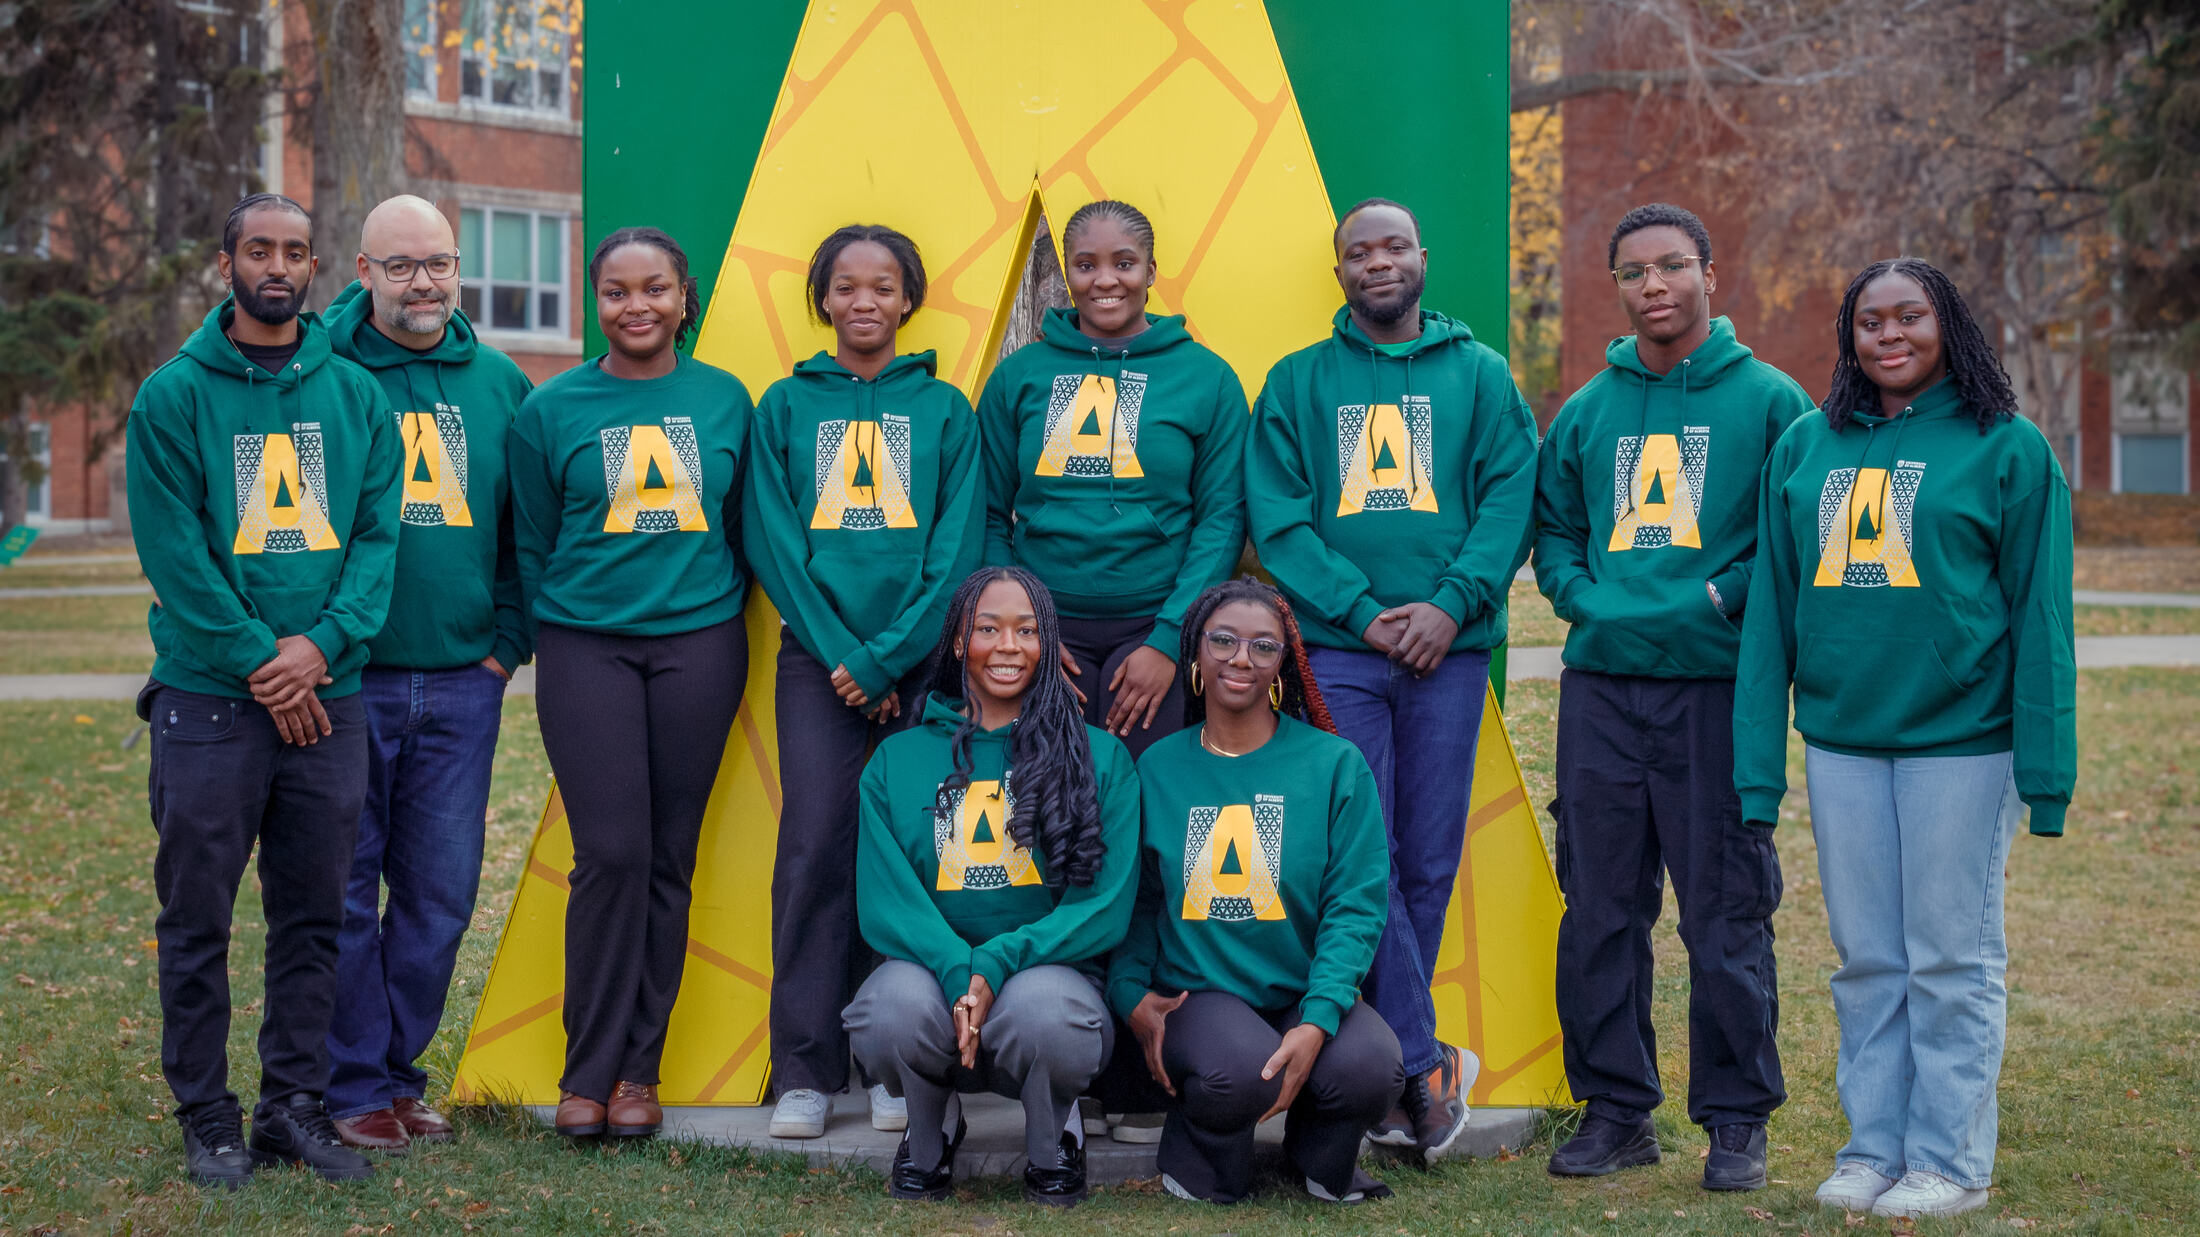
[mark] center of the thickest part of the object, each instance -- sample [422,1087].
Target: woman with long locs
[996,862]
[1913,590]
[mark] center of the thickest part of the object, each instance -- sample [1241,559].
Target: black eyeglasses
[401,269]
[1263,651]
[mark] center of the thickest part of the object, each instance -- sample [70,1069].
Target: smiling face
[1897,338]
[419,304]
[1002,650]
[273,265]
[865,301]
[1240,654]
[638,300]
[1666,304]
[1109,275]
[1381,265]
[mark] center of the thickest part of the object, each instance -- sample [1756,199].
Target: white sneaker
[1170,1184]
[1092,1116]
[887,1113]
[1922,1193]
[1138,1127]
[1316,1189]
[1854,1186]
[801,1113]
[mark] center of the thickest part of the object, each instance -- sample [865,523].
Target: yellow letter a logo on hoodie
[280,503]
[650,472]
[1382,457]
[435,469]
[1231,855]
[1092,427]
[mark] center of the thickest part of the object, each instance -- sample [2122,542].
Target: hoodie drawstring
[1116,385]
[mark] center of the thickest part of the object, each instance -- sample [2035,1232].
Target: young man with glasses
[1389,479]
[1646,514]
[263,476]
[434,682]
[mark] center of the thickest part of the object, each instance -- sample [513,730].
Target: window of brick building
[2151,412]
[515,269]
[421,46]
[513,54]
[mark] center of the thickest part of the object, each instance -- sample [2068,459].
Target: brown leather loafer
[634,1112]
[579,1116]
[422,1123]
[374,1131]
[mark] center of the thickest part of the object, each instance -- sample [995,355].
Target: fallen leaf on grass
[25,980]
[1756,1213]
[1611,1215]
[86,719]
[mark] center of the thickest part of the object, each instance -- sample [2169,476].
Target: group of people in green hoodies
[1900,564]
[1070,814]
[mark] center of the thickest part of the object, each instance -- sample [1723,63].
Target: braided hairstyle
[233,226]
[1134,221]
[1302,696]
[691,303]
[820,277]
[1057,795]
[1972,362]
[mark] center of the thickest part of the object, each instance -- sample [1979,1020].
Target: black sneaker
[1058,1187]
[911,1184]
[1737,1159]
[213,1146]
[1603,1146]
[1436,1102]
[298,1131]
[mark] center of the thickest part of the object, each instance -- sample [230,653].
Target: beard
[412,316]
[1392,311]
[263,310]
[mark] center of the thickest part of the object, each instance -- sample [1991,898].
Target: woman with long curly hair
[1913,589]
[1264,886]
[996,861]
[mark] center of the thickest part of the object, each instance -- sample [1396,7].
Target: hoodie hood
[1711,360]
[925,364]
[355,337]
[943,715]
[1163,331]
[1937,402]
[1436,330]
[211,347]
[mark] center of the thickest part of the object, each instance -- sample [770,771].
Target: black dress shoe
[910,1183]
[213,1147]
[1058,1187]
[1737,1159]
[298,1131]
[1605,1146]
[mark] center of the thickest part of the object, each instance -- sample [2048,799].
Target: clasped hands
[1416,635]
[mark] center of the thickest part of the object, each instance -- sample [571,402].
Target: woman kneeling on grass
[1914,589]
[996,862]
[1262,893]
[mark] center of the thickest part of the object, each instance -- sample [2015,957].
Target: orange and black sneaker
[1395,1130]
[1436,1102]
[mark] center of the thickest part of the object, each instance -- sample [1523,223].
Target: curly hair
[820,278]
[1659,215]
[1972,362]
[691,300]
[1302,696]
[1057,810]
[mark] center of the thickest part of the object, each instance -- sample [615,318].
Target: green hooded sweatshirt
[1913,587]
[958,896]
[1375,480]
[263,505]
[626,499]
[1266,876]
[861,513]
[1626,565]
[1112,470]
[457,595]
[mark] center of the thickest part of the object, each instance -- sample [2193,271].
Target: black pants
[1213,1047]
[1646,781]
[1100,645]
[222,779]
[818,958]
[634,727]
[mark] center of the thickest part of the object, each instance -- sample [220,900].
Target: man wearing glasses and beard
[435,676]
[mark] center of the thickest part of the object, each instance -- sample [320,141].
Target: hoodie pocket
[1873,691]
[1090,547]
[867,590]
[1650,623]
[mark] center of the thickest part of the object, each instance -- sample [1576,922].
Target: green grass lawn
[2099,1117]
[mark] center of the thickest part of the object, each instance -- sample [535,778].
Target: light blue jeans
[1910,855]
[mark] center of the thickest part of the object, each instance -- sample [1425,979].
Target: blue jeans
[432,739]
[1418,735]
[1910,856]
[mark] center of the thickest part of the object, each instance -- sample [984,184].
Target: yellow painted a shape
[647,474]
[998,112]
[435,492]
[279,508]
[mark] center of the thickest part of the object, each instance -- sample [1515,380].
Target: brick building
[493,136]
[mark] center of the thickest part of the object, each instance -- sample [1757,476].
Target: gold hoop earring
[1197,688]
[1275,694]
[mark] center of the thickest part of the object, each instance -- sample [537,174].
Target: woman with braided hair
[1913,589]
[1263,889]
[996,861]
[626,477]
